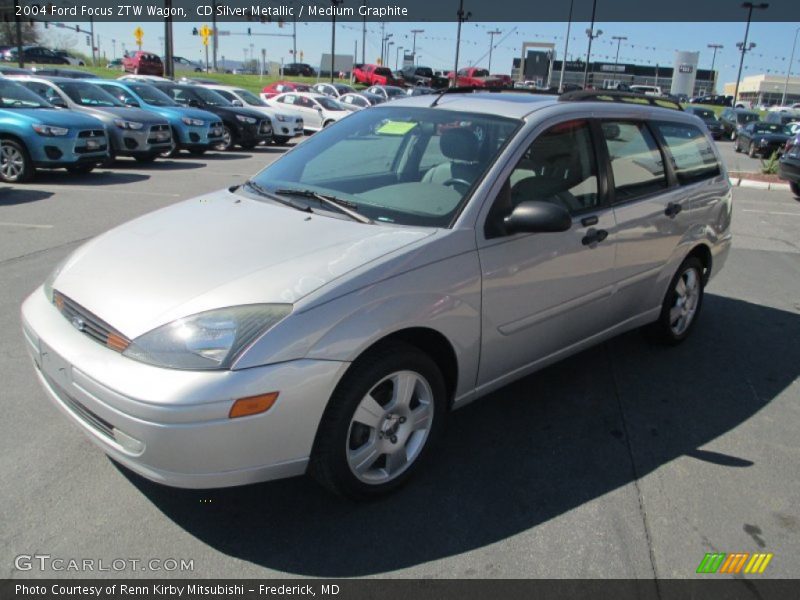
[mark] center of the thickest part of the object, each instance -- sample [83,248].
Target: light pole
[566,48]
[334,4]
[491,45]
[620,39]
[462,16]
[388,53]
[789,69]
[397,57]
[414,33]
[364,35]
[743,45]
[385,48]
[591,34]
[715,47]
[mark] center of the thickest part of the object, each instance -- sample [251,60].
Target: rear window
[383,71]
[746,117]
[692,154]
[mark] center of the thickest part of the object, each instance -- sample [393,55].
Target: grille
[81,411]
[89,324]
[90,133]
[160,134]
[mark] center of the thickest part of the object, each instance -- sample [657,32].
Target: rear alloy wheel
[751,150]
[15,164]
[681,304]
[227,140]
[381,422]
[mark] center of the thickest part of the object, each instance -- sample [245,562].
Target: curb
[760,185]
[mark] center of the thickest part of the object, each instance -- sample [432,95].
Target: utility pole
[566,48]
[491,45]
[714,60]
[414,33]
[334,4]
[214,33]
[169,65]
[294,38]
[590,32]
[91,31]
[383,38]
[620,39]
[18,27]
[363,36]
[462,16]
[743,45]
[789,69]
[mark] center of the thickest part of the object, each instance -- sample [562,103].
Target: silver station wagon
[325,316]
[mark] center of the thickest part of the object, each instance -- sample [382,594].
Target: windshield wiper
[330,201]
[266,193]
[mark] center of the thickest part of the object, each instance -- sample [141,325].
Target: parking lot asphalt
[627,460]
[738,161]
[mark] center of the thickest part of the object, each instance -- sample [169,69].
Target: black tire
[249,145]
[326,123]
[22,169]
[81,169]
[663,330]
[146,158]
[281,140]
[227,142]
[329,463]
[736,147]
[751,150]
[795,187]
[197,151]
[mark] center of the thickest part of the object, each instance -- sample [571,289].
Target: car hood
[232,111]
[52,116]
[221,249]
[184,111]
[271,112]
[122,112]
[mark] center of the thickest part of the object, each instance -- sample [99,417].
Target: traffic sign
[138,34]
[205,33]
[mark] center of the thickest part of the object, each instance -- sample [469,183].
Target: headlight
[194,122]
[249,120]
[50,130]
[122,124]
[208,340]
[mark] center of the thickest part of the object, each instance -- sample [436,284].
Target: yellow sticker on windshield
[396,127]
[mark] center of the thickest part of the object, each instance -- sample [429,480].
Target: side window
[558,167]
[692,154]
[636,161]
[288,99]
[227,95]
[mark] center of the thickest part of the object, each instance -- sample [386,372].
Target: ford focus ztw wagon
[326,315]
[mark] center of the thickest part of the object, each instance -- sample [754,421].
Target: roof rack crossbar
[617,96]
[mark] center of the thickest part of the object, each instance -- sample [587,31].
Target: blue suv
[193,129]
[34,135]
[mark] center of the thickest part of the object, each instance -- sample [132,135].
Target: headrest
[459,143]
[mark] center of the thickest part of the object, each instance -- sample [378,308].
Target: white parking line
[25,225]
[771,212]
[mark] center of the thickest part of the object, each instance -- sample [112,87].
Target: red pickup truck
[374,75]
[475,77]
[143,63]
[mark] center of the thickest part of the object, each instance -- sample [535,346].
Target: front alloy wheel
[380,423]
[15,166]
[227,140]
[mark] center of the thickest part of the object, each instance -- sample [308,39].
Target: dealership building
[765,89]
[682,77]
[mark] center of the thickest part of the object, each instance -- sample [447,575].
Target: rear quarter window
[692,155]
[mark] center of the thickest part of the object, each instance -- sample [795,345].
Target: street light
[743,45]
[713,60]
[334,4]
[462,16]
[414,33]
[592,35]
[491,45]
[385,48]
[620,39]
[789,69]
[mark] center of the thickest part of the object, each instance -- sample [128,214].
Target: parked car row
[78,124]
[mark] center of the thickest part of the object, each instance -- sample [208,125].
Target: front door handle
[594,236]
[672,210]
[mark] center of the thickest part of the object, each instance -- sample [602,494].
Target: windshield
[13,95]
[404,165]
[88,94]
[425,72]
[250,98]
[329,103]
[480,73]
[152,95]
[210,97]
[746,117]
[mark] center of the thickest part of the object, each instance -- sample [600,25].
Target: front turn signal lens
[252,405]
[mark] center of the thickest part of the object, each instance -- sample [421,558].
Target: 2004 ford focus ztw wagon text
[326,315]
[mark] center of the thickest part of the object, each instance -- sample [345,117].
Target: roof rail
[470,89]
[622,97]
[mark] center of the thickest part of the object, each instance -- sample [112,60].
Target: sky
[647,43]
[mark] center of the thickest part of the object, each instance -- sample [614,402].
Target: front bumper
[81,147]
[290,128]
[253,133]
[172,426]
[191,136]
[151,139]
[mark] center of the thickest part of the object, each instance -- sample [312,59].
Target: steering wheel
[454,181]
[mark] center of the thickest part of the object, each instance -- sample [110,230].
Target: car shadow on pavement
[226,156]
[162,164]
[99,178]
[11,195]
[520,457]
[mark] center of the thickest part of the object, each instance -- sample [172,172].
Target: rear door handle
[594,236]
[672,210]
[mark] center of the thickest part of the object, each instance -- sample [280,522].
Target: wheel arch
[703,253]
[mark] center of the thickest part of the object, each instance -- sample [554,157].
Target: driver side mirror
[237,102]
[533,216]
